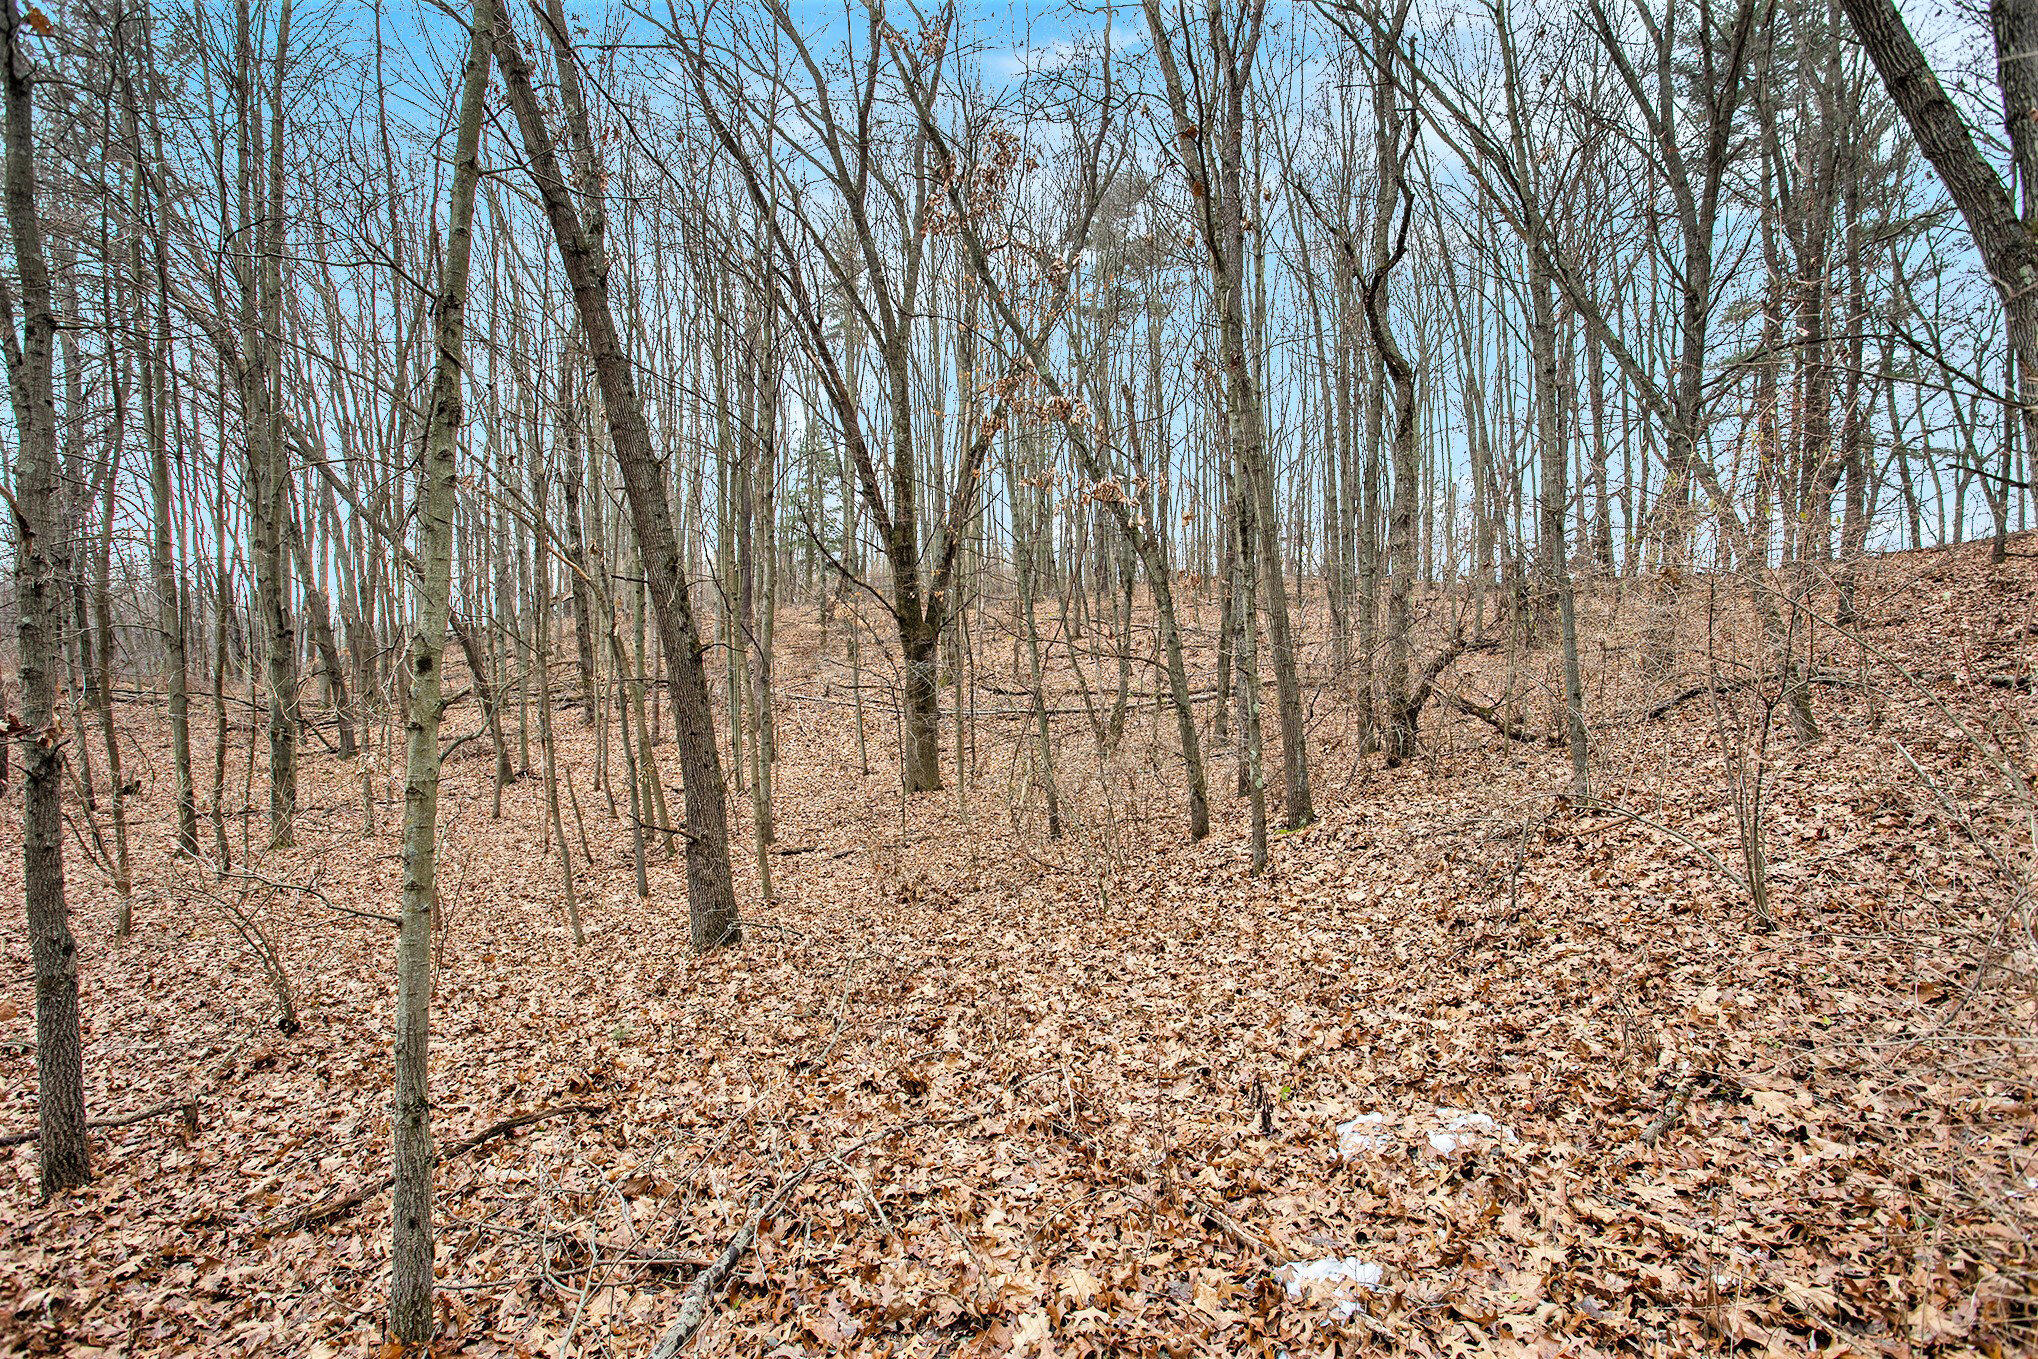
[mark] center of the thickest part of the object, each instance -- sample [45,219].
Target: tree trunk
[41,564]
[490,701]
[323,639]
[163,554]
[576,550]
[1554,555]
[711,896]
[410,1282]
[921,646]
[268,457]
[2007,244]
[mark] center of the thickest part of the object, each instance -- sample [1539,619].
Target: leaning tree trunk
[711,895]
[2006,242]
[410,1279]
[41,563]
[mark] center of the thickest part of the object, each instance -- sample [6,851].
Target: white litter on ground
[1362,1134]
[1445,1132]
[1336,1280]
[1456,1127]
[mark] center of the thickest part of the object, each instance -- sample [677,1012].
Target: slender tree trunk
[323,639]
[268,455]
[541,590]
[576,549]
[711,894]
[163,555]
[410,1283]
[1555,563]
[1398,739]
[102,682]
[1025,554]
[490,700]
[1245,562]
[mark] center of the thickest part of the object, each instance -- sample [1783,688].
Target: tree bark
[410,1282]
[268,457]
[41,563]
[576,552]
[163,553]
[711,897]
[2007,244]
[323,638]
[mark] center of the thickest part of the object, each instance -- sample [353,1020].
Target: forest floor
[1525,1066]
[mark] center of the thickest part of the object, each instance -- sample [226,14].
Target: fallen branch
[1673,1108]
[189,1107]
[313,1217]
[1727,686]
[1197,1212]
[693,1304]
[1442,661]
[1225,1223]
[1512,730]
[1596,805]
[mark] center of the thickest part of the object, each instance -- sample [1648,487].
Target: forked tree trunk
[1219,189]
[1145,540]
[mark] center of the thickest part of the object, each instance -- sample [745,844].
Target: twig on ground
[189,1107]
[312,1217]
[1673,1108]
[693,1304]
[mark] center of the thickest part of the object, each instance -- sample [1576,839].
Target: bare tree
[711,898]
[410,1278]
[2008,242]
[1209,107]
[41,564]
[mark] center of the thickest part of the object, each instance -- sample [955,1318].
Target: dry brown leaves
[1081,1097]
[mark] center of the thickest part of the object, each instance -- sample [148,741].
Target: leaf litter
[1112,1094]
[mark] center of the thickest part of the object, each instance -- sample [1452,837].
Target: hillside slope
[1527,1066]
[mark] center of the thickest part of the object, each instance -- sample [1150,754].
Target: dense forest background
[1147,678]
